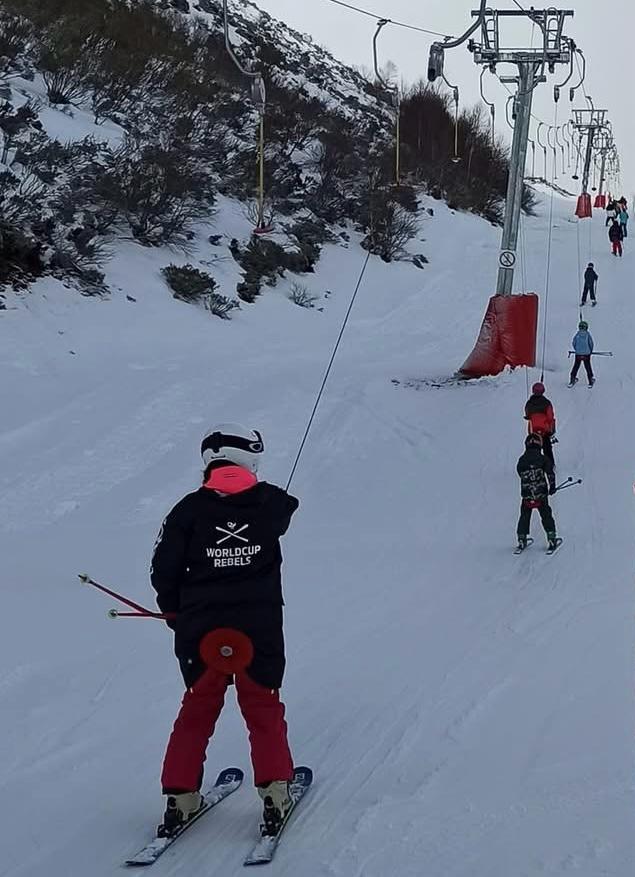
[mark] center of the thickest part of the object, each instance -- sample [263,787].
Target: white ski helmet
[233,443]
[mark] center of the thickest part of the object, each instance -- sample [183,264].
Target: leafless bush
[252,213]
[390,228]
[14,35]
[220,305]
[159,191]
[301,296]
[81,263]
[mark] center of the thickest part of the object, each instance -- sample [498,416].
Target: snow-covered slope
[468,713]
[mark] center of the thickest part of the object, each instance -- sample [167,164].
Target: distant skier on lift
[590,281]
[542,419]
[537,484]
[583,349]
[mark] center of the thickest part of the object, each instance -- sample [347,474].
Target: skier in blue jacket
[583,349]
[623,219]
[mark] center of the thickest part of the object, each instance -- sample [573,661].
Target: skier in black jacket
[217,564]
[537,483]
[616,236]
[590,280]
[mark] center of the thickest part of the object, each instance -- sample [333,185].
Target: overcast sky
[603,29]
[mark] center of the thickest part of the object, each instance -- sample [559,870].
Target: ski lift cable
[582,72]
[327,373]
[523,253]
[523,249]
[374,15]
[549,250]
[259,98]
[533,116]
[491,105]
[577,301]
[455,96]
[393,90]
[230,49]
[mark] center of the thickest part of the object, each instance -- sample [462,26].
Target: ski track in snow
[467,713]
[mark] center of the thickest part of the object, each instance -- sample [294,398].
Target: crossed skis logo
[240,553]
[232,533]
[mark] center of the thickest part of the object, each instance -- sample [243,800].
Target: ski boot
[179,810]
[572,382]
[277,804]
[522,543]
[591,382]
[552,542]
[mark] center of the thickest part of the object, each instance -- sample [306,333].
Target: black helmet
[533,440]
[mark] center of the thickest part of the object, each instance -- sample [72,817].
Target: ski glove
[552,490]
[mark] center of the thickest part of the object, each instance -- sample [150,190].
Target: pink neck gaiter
[230,479]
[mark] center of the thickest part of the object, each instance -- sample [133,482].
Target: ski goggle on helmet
[533,440]
[233,443]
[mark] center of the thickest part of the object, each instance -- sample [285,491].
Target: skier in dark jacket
[537,483]
[590,280]
[217,564]
[616,236]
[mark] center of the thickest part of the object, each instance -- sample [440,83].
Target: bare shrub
[159,190]
[188,283]
[301,296]
[252,213]
[194,286]
[220,305]
[390,226]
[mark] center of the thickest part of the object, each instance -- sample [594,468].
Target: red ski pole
[86,579]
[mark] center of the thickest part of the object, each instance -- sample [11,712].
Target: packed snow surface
[467,713]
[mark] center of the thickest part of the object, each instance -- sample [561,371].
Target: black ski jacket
[590,278]
[217,563]
[537,475]
[616,233]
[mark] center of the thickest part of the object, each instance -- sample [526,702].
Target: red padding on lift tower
[600,202]
[507,336]
[584,209]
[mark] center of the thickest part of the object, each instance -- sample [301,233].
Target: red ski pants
[617,248]
[263,712]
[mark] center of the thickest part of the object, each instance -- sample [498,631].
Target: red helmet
[538,389]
